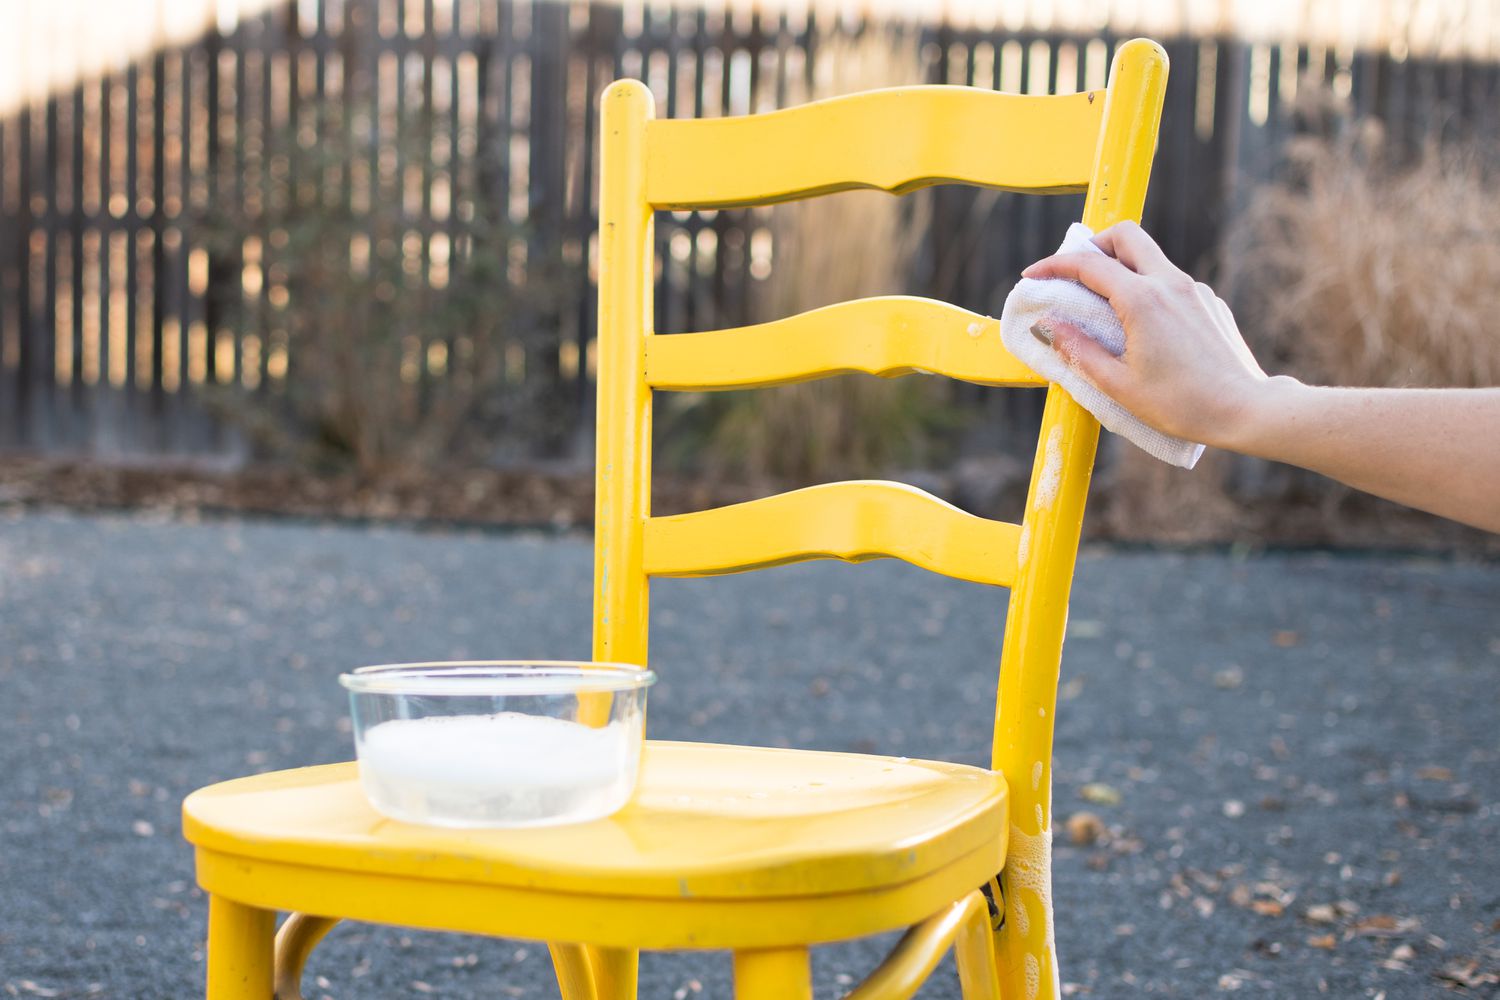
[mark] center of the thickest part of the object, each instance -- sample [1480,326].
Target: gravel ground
[1292,757]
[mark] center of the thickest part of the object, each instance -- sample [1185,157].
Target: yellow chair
[765,852]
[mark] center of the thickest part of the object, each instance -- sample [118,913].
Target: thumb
[1083,353]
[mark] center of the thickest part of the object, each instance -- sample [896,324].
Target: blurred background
[338,255]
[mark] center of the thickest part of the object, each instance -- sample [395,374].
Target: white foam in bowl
[505,769]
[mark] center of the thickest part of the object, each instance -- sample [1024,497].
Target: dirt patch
[564,499]
[524,497]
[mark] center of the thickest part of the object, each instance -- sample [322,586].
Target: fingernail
[1042,331]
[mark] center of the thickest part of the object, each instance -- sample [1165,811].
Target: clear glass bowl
[499,743]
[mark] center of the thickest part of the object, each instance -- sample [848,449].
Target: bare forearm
[1435,449]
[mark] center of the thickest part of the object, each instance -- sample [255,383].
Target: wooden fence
[123,322]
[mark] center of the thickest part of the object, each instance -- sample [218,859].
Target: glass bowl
[498,743]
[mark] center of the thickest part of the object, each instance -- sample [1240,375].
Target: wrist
[1262,419]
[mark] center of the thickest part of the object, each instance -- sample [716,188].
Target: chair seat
[707,820]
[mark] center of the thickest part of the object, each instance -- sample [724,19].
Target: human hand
[1186,369]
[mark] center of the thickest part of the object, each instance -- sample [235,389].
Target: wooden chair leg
[299,935]
[240,950]
[615,971]
[974,951]
[773,974]
[963,926]
[575,976]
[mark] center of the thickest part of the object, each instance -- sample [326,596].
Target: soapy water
[505,769]
[1028,865]
[1051,475]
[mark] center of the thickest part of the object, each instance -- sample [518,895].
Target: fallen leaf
[1434,773]
[1274,891]
[141,828]
[1322,913]
[1267,907]
[1383,924]
[1325,941]
[1229,678]
[1203,880]
[38,991]
[1403,953]
[1084,828]
[1286,638]
[1100,794]
[1468,974]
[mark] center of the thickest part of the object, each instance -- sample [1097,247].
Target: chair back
[898,140]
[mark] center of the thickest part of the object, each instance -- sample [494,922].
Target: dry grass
[826,250]
[1355,268]
[1361,272]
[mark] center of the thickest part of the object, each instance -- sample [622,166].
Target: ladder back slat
[887,336]
[851,521]
[897,140]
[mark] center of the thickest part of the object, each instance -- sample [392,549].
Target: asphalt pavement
[1286,766]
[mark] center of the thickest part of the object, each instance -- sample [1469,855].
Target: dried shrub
[396,359]
[1360,270]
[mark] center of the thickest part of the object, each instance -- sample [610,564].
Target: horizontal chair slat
[897,140]
[887,336]
[852,521]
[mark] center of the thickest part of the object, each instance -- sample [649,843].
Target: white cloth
[1048,299]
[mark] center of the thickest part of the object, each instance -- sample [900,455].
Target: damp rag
[1061,299]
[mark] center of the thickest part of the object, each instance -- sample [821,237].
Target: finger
[1215,305]
[1231,331]
[1237,340]
[1210,301]
[1223,315]
[1103,275]
[1130,245]
[1224,312]
[1083,353]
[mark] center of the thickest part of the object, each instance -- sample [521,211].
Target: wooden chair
[764,852]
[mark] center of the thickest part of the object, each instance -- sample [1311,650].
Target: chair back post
[1037,615]
[622,466]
